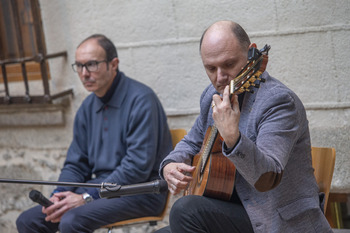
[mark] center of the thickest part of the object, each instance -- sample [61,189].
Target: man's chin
[90,88]
[220,90]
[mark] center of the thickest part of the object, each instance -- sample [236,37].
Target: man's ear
[114,63]
[252,45]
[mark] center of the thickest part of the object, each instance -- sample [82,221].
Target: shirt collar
[118,94]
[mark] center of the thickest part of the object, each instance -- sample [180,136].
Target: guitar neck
[208,146]
[249,76]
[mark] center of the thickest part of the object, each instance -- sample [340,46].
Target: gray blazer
[274,178]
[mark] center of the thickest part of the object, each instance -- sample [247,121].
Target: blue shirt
[122,141]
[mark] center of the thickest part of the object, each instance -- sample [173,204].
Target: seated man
[120,136]
[265,135]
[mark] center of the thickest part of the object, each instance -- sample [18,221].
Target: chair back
[177,135]
[323,161]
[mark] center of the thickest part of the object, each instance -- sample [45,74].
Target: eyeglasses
[91,66]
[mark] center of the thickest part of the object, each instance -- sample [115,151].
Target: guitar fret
[207,150]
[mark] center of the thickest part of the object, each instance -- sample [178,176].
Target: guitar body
[214,175]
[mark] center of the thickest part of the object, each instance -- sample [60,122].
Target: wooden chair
[176,135]
[323,161]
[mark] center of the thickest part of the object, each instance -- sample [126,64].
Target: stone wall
[157,43]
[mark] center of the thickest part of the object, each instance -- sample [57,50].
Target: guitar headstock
[249,76]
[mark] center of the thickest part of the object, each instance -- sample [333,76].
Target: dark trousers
[93,215]
[197,214]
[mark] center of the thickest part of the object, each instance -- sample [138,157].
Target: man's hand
[226,117]
[63,202]
[175,175]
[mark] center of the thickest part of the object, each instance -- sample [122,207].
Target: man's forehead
[90,48]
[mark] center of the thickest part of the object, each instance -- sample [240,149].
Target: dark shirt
[111,90]
[120,141]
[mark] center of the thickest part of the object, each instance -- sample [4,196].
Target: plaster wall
[157,43]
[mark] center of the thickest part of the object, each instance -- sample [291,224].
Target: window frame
[19,59]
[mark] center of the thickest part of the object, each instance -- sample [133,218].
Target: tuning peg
[257,85]
[261,80]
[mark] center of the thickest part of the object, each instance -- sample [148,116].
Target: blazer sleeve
[191,144]
[275,125]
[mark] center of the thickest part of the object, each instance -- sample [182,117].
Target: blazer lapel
[247,106]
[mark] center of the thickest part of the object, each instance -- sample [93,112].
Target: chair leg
[338,215]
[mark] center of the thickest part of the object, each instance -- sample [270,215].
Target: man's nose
[84,71]
[222,75]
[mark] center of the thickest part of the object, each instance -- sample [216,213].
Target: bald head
[105,43]
[224,51]
[227,28]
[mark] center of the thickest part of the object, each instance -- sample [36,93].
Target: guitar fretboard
[208,147]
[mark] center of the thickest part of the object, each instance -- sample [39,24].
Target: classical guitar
[214,175]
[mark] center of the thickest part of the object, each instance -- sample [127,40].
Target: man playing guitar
[264,134]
